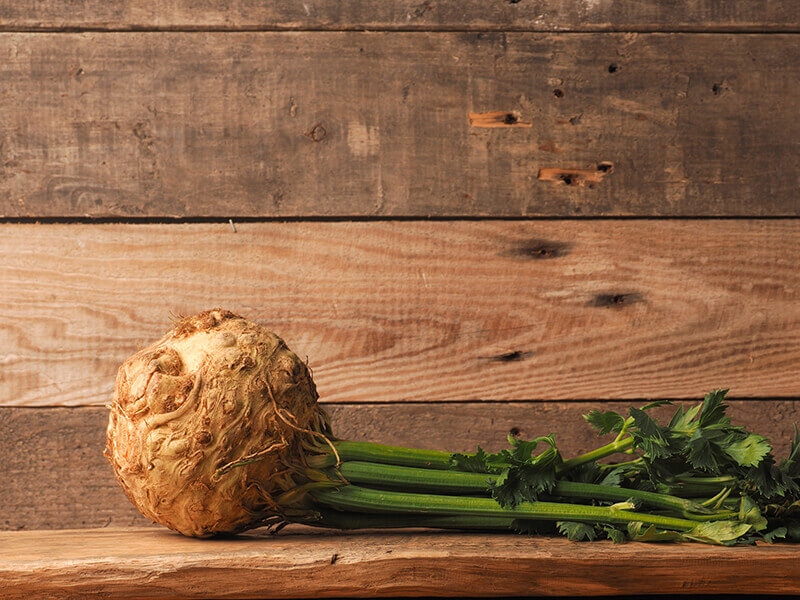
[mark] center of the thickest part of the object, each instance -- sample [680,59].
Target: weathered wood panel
[531,15]
[365,124]
[396,311]
[301,563]
[53,474]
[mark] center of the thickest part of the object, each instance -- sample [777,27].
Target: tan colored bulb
[208,424]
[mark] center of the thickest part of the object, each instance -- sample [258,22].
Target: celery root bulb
[209,425]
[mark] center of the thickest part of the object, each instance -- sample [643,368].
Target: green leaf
[682,420]
[605,422]
[526,477]
[791,464]
[614,534]
[750,513]
[613,477]
[532,527]
[793,530]
[656,404]
[471,463]
[586,473]
[700,452]
[713,411]
[770,481]
[523,449]
[522,483]
[505,489]
[479,462]
[577,532]
[639,533]
[649,435]
[749,451]
[777,533]
[721,533]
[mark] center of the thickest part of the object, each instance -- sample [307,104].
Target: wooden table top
[304,563]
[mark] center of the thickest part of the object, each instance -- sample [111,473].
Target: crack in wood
[616,300]
[514,356]
[540,249]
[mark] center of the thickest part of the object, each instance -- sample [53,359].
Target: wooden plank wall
[472,217]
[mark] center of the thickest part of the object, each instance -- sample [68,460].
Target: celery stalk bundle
[215,429]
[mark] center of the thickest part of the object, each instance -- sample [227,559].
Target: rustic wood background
[473,217]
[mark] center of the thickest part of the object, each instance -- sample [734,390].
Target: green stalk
[355,498]
[350,520]
[721,480]
[690,490]
[433,459]
[381,453]
[569,489]
[414,479]
[607,450]
[457,482]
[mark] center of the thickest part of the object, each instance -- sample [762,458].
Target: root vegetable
[210,424]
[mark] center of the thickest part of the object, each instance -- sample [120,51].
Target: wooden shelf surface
[306,563]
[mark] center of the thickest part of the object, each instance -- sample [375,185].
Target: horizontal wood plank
[378,124]
[531,15]
[398,311]
[53,474]
[147,563]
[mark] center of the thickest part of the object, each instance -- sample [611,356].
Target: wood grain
[532,15]
[376,124]
[53,474]
[147,563]
[399,311]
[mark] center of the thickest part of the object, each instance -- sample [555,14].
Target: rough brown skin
[216,390]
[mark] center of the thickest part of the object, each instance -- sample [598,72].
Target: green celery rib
[355,498]
[351,520]
[607,450]
[381,453]
[457,482]
[433,459]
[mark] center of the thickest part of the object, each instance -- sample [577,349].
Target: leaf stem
[457,482]
[607,450]
[355,498]
[350,520]
[381,453]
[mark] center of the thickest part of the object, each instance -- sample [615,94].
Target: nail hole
[317,133]
[514,431]
[510,119]
[567,179]
[605,167]
[613,68]
[558,93]
[717,89]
